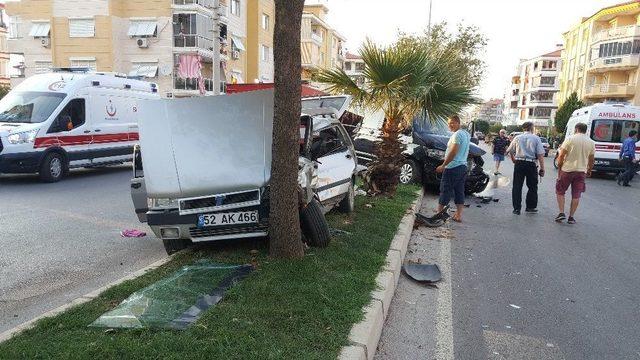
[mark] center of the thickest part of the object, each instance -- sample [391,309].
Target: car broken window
[327,141]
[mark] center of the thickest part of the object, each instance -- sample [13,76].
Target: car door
[71,131]
[333,152]
[138,188]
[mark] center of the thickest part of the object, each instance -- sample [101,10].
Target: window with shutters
[265,52]
[85,27]
[14,27]
[43,66]
[83,63]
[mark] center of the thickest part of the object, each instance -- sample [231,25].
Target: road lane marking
[444,317]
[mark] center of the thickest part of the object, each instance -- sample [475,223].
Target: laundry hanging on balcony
[190,67]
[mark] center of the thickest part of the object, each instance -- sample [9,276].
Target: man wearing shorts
[500,145]
[454,168]
[575,161]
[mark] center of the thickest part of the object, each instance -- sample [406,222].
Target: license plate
[602,162]
[230,218]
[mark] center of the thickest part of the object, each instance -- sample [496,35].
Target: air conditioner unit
[45,42]
[235,55]
[143,42]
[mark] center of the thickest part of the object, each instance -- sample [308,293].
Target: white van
[61,120]
[608,125]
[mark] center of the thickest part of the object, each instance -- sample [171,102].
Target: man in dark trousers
[628,156]
[525,150]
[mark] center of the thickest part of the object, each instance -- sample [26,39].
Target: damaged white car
[202,170]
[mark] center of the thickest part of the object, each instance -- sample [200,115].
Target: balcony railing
[205,3]
[316,37]
[192,41]
[618,62]
[604,90]
[191,84]
[616,33]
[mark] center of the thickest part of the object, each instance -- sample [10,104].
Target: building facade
[602,56]
[491,111]
[354,67]
[533,91]
[188,47]
[321,44]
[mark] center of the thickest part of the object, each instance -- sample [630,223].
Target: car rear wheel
[315,230]
[348,203]
[53,168]
[175,245]
[410,172]
[555,161]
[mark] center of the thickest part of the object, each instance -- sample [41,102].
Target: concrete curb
[364,336]
[81,300]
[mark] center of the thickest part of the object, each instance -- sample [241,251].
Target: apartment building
[322,46]
[491,111]
[510,112]
[533,91]
[188,47]
[354,67]
[602,56]
[4,50]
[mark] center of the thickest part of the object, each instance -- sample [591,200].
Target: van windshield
[29,106]
[612,131]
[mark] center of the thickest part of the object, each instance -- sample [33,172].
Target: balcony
[622,62]
[616,33]
[204,3]
[190,85]
[610,90]
[193,43]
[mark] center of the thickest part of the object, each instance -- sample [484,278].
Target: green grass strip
[287,309]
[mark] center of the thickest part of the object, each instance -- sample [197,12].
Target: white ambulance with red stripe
[70,118]
[608,125]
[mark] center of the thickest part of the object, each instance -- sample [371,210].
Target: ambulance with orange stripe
[608,125]
[70,118]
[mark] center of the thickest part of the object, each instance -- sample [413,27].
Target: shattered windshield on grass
[176,301]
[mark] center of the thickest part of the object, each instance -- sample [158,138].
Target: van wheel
[315,230]
[175,245]
[53,168]
[348,203]
[410,172]
[555,161]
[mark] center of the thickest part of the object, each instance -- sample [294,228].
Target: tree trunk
[284,221]
[383,175]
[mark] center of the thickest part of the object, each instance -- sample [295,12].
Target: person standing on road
[575,161]
[524,150]
[500,145]
[627,156]
[454,168]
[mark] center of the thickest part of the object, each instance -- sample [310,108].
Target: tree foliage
[571,104]
[401,81]
[467,45]
[483,126]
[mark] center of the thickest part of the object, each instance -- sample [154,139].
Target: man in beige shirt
[575,161]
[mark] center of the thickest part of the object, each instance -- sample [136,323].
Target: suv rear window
[613,131]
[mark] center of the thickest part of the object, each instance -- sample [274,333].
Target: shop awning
[40,29]
[144,70]
[238,43]
[142,28]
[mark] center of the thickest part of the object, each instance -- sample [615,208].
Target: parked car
[54,122]
[545,144]
[425,148]
[204,176]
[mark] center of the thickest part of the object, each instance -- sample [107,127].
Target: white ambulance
[53,122]
[608,125]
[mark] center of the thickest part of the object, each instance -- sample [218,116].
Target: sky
[516,29]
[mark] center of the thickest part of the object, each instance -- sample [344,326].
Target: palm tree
[400,81]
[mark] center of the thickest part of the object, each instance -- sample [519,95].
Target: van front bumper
[21,163]
[186,225]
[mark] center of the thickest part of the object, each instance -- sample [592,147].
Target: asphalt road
[524,287]
[60,241]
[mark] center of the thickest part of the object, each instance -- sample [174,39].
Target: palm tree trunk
[284,221]
[384,173]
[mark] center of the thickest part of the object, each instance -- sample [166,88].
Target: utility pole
[429,25]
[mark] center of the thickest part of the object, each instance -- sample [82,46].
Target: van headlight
[163,203]
[23,137]
[435,153]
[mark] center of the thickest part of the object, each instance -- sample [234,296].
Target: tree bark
[284,220]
